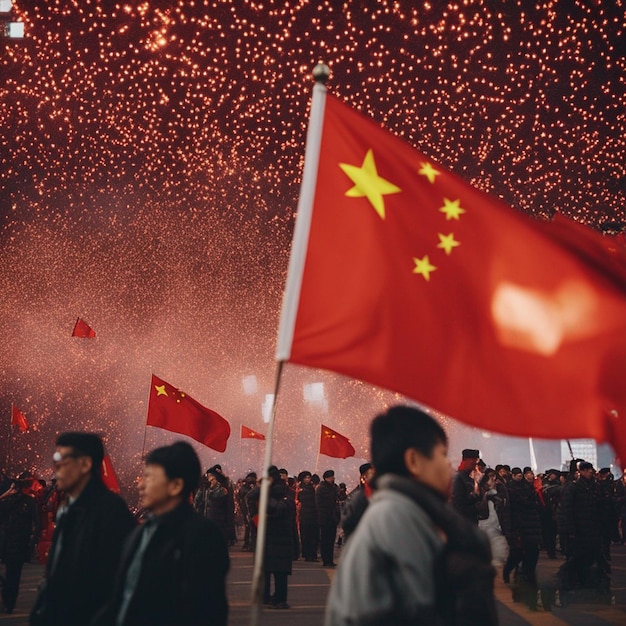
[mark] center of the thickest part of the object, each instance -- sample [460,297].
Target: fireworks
[150,157]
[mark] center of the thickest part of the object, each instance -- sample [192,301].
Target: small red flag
[82,329]
[107,473]
[405,276]
[174,410]
[18,419]
[248,433]
[335,444]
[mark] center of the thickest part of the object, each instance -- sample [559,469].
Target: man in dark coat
[88,539]
[309,526]
[357,500]
[466,494]
[173,567]
[326,498]
[19,520]
[281,514]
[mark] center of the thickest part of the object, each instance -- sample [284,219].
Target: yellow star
[368,183]
[429,171]
[423,267]
[160,390]
[452,209]
[447,242]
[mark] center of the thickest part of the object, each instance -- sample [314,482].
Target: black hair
[397,430]
[84,444]
[178,461]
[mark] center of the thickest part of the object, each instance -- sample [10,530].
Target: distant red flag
[107,473]
[334,444]
[248,433]
[174,410]
[18,419]
[82,329]
[405,276]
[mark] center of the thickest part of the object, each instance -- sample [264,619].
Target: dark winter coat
[581,512]
[279,535]
[353,509]
[525,521]
[308,507]
[183,574]
[19,523]
[464,499]
[93,531]
[326,498]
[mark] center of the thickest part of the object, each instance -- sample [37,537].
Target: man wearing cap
[466,493]
[88,539]
[357,500]
[327,501]
[582,516]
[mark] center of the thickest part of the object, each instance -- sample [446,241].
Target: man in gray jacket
[412,559]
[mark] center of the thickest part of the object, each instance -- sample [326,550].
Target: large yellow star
[423,267]
[447,242]
[452,209]
[368,183]
[429,171]
[160,390]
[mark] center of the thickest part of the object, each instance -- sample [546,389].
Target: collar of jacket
[460,532]
[175,516]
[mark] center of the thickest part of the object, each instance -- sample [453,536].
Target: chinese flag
[174,410]
[248,433]
[107,473]
[403,275]
[334,444]
[18,419]
[82,329]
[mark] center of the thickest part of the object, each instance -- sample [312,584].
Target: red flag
[248,433]
[335,444]
[82,329]
[174,410]
[107,473]
[18,419]
[403,275]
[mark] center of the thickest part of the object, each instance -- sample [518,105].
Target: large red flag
[82,329]
[107,473]
[18,419]
[335,444]
[248,433]
[174,410]
[403,275]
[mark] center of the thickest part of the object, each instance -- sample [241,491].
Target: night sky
[150,161]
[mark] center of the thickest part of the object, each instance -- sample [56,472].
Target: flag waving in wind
[174,410]
[248,433]
[18,419]
[335,444]
[404,276]
[82,329]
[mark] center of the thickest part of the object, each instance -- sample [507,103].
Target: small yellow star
[423,267]
[368,183]
[447,242]
[429,171]
[160,390]
[452,209]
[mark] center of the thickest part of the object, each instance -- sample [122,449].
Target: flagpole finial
[321,73]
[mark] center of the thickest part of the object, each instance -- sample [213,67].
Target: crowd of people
[417,542]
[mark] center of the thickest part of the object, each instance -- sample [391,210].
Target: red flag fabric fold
[18,419]
[82,329]
[107,473]
[174,410]
[417,282]
[248,433]
[335,444]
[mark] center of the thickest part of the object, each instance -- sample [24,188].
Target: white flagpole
[290,306]
[533,458]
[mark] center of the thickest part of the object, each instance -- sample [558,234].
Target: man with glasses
[88,539]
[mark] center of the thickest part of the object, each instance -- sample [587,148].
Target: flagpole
[145,426]
[259,554]
[291,297]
